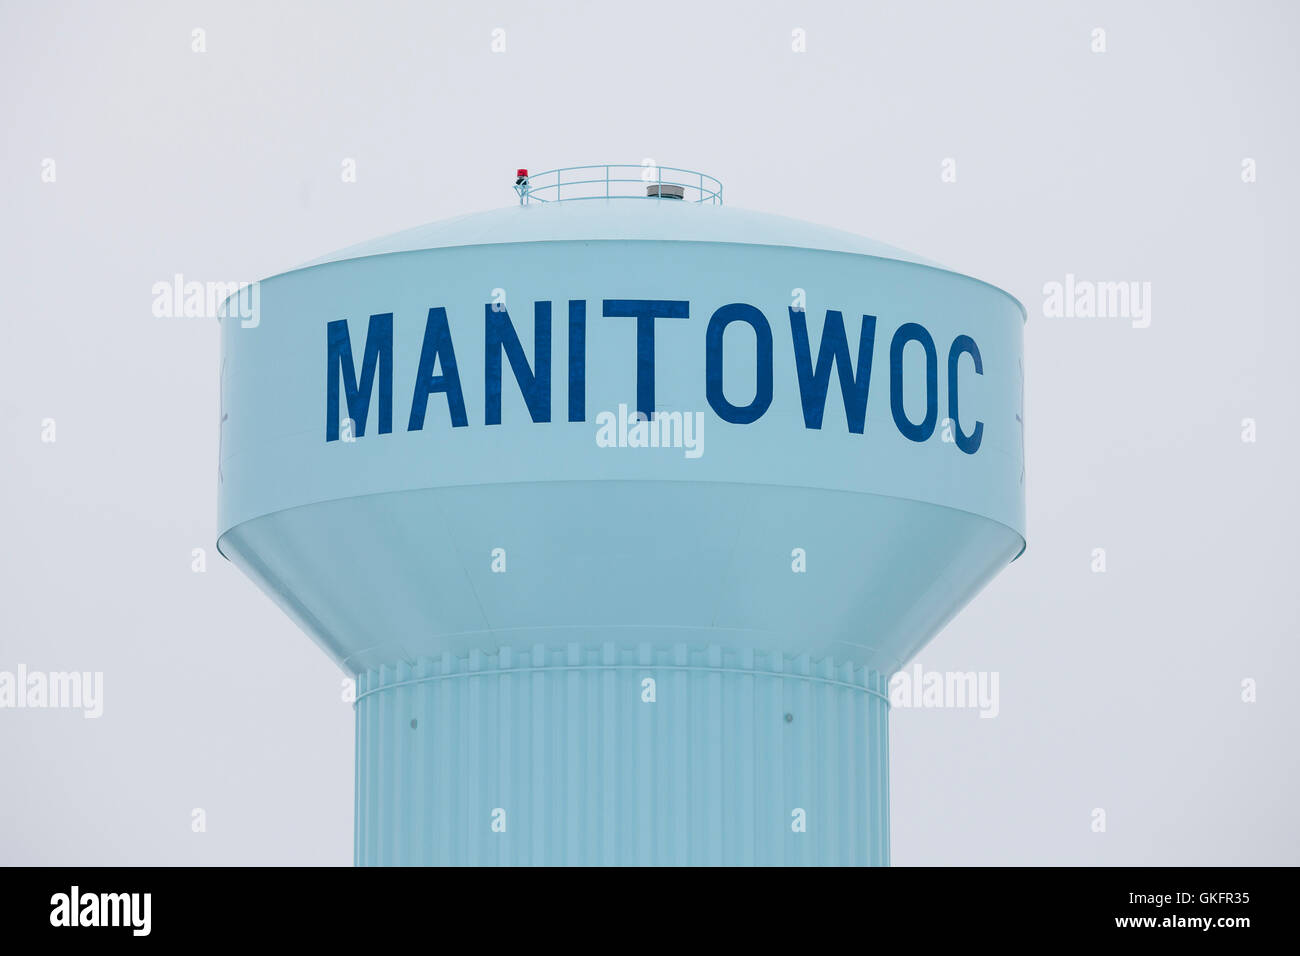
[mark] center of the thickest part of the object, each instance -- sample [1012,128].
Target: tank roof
[631,219]
[622,218]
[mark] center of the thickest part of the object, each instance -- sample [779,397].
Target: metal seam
[784,675]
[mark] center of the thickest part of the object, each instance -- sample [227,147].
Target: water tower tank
[622,505]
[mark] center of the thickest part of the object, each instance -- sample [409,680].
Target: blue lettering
[963,344]
[738,414]
[814,384]
[646,311]
[499,335]
[911,332]
[378,351]
[577,360]
[437,350]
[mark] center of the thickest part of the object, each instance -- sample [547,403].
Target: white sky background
[1118,690]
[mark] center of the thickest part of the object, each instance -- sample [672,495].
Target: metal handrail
[549,185]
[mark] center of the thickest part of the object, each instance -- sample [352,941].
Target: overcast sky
[128,157]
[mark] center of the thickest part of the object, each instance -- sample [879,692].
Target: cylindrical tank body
[581,635]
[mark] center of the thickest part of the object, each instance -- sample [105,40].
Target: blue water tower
[621,505]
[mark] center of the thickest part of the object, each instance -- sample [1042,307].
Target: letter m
[379,352]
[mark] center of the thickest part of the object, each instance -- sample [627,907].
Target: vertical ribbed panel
[558,746]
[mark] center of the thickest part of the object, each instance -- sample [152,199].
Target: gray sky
[1119,690]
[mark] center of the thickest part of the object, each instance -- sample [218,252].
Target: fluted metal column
[649,754]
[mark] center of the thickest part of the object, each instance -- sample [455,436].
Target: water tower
[622,505]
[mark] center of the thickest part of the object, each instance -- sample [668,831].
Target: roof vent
[665,191]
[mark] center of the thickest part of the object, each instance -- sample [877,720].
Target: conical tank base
[649,754]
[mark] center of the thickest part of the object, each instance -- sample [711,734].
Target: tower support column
[648,754]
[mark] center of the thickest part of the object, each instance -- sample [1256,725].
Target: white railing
[619,181]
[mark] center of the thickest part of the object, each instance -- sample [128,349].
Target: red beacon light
[521,185]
